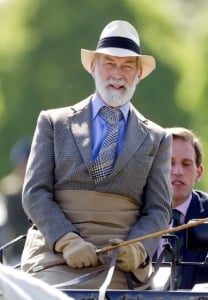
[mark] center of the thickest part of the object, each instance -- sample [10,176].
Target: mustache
[120,82]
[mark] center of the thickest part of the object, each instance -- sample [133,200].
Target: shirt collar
[184,206]
[97,103]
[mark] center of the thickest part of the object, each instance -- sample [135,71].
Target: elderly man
[98,173]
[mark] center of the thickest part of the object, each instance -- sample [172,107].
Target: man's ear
[140,74]
[200,172]
[92,67]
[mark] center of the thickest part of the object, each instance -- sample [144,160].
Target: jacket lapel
[134,137]
[195,208]
[194,212]
[81,130]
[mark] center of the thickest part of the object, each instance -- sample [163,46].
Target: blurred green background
[40,68]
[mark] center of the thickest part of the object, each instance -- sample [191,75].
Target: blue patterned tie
[104,162]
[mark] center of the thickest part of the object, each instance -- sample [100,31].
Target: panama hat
[119,38]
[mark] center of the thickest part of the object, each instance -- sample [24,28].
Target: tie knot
[176,216]
[110,115]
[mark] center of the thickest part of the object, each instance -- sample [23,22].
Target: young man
[187,170]
[98,171]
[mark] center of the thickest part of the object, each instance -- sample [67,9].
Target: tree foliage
[40,66]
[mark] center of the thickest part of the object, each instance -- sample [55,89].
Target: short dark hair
[188,135]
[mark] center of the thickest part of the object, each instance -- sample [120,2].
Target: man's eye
[128,67]
[187,164]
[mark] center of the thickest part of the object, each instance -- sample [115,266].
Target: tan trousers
[98,217]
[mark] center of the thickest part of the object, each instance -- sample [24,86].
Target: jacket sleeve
[38,189]
[157,197]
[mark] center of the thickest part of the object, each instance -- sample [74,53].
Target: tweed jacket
[61,159]
[198,209]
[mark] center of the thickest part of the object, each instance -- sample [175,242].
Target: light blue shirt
[100,127]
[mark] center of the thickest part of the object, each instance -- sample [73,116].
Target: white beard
[114,98]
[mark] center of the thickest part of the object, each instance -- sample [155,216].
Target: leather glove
[76,252]
[131,256]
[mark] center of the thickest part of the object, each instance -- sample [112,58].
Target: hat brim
[147,61]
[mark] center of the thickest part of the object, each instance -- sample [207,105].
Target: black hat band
[118,42]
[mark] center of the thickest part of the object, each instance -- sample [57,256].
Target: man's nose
[117,72]
[177,169]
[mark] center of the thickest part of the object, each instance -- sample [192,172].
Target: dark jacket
[192,275]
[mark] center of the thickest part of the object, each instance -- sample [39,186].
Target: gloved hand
[76,252]
[131,256]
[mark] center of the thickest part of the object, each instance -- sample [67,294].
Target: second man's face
[184,172]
